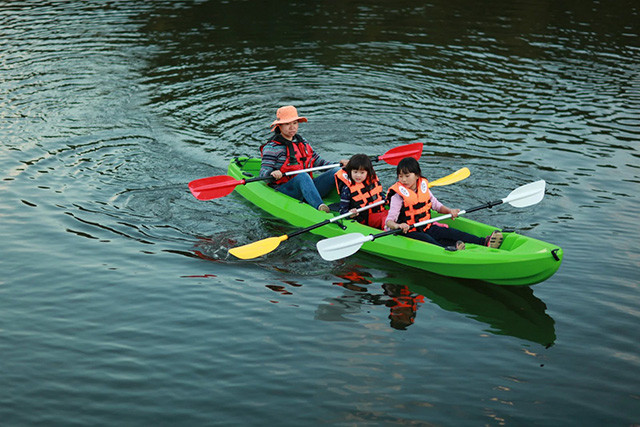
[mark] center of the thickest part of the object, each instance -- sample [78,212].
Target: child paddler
[359,186]
[411,201]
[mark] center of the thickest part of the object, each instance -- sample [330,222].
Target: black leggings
[444,236]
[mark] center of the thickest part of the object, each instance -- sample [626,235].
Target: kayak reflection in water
[287,151]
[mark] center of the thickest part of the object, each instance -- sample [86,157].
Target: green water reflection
[513,311]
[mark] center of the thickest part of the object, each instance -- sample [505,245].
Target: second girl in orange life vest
[358,186]
[411,202]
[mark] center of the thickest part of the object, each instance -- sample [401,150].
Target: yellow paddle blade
[256,249]
[458,175]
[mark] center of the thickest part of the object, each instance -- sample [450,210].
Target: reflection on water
[513,311]
[402,303]
[506,310]
[109,109]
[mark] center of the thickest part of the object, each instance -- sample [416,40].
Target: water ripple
[121,305]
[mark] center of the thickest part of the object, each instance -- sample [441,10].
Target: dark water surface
[119,304]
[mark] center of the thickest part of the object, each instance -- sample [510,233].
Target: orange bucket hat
[286,114]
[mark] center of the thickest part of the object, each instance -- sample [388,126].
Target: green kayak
[520,260]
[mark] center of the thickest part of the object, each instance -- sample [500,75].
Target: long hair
[360,161]
[408,165]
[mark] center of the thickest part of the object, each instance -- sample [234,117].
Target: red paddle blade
[213,187]
[394,155]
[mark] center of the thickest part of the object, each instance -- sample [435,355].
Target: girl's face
[408,179]
[289,130]
[358,175]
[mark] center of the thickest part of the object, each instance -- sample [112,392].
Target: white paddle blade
[526,195]
[341,246]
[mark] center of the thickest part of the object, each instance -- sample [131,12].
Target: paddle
[219,186]
[348,244]
[264,246]
[452,178]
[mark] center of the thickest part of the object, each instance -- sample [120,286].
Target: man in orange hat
[287,151]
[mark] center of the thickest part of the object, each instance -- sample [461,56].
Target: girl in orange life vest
[358,186]
[287,151]
[411,202]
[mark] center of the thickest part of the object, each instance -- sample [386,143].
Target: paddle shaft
[222,185]
[524,194]
[487,205]
[268,177]
[323,167]
[334,219]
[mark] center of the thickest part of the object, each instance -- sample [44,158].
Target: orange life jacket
[362,193]
[406,299]
[416,205]
[300,158]
[403,306]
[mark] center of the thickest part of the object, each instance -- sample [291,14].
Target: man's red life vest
[416,205]
[300,158]
[362,193]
